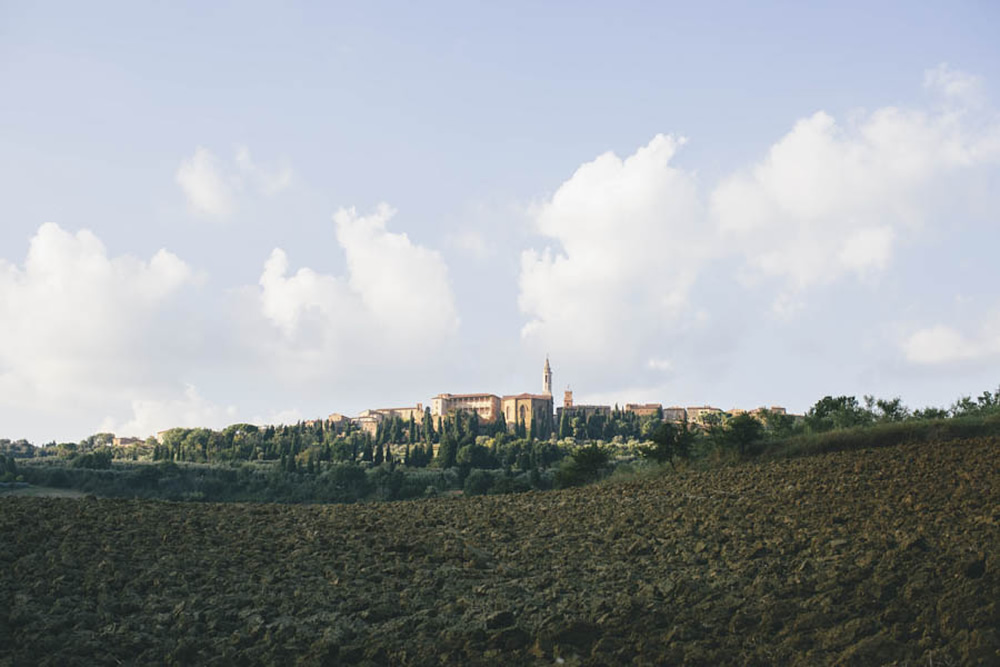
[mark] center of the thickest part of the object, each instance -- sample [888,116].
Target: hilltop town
[534,414]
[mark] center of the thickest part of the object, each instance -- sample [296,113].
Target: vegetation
[669,441]
[403,459]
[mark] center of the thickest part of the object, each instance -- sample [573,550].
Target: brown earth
[876,557]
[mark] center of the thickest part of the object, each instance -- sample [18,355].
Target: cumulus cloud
[72,315]
[210,193]
[831,199]
[954,84]
[631,244]
[269,180]
[395,301]
[190,410]
[940,345]
[83,331]
[212,186]
[626,242]
[944,345]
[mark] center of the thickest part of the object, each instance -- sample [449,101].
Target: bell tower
[547,378]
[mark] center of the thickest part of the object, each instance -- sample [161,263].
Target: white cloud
[73,316]
[831,200]
[867,249]
[285,300]
[941,344]
[394,305]
[209,192]
[212,187]
[189,411]
[662,365]
[627,240]
[84,332]
[954,84]
[269,180]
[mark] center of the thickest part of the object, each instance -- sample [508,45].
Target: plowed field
[872,557]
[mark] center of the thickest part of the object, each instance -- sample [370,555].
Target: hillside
[868,557]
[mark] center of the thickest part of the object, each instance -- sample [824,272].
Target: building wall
[696,415]
[487,406]
[533,410]
[674,414]
[417,413]
[644,409]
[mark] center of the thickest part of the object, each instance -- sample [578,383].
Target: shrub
[585,466]
[478,483]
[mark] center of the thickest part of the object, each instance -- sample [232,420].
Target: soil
[884,556]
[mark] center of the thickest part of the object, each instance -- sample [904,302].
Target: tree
[930,413]
[447,450]
[742,431]
[475,456]
[478,483]
[669,441]
[892,410]
[840,412]
[584,466]
[778,424]
[428,426]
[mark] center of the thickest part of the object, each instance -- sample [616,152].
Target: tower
[567,398]
[547,378]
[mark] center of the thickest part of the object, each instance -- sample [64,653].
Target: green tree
[743,431]
[475,456]
[841,412]
[478,483]
[778,424]
[447,450]
[586,465]
[669,441]
[892,410]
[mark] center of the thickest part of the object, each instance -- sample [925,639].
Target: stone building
[417,413]
[644,409]
[674,414]
[487,406]
[533,411]
[700,415]
[585,411]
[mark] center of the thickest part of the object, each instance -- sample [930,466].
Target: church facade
[531,413]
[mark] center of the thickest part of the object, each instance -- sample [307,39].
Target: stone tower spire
[547,378]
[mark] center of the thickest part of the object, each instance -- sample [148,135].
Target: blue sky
[730,203]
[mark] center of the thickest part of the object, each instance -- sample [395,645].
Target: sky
[263,212]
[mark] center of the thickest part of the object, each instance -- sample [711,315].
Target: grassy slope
[885,435]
